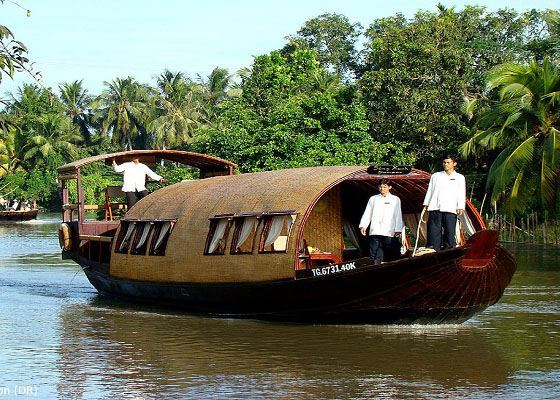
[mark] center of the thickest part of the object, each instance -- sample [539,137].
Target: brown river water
[60,340]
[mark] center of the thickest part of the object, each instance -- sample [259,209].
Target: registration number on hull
[333,269]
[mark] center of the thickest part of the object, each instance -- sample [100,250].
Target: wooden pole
[512,230]
[528,230]
[556,231]
[483,200]
[544,230]
[537,230]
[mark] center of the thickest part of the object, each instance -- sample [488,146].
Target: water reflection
[36,236]
[151,350]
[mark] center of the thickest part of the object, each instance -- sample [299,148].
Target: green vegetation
[403,91]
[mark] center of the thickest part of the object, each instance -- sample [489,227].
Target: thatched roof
[196,160]
[288,189]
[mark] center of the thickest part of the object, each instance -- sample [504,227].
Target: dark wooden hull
[18,215]
[445,287]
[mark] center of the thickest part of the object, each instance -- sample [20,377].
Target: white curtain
[276,228]
[145,232]
[162,233]
[129,231]
[248,227]
[218,234]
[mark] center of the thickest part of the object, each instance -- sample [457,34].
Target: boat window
[140,242]
[125,237]
[217,235]
[275,234]
[244,234]
[162,230]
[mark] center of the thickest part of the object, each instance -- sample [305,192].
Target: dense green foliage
[335,93]
[525,123]
[287,118]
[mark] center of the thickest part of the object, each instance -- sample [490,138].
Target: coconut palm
[77,105]
[11,153]
[214,90]
[55,134]
[177,111]
[119,109]
[524,124]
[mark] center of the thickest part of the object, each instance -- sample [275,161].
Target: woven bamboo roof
[196,160]
[288,189]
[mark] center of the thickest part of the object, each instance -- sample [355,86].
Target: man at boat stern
[383,215]
[134,179]
[445,200]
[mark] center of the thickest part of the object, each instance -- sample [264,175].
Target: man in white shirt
[134,180]
[445,200]
[384,217]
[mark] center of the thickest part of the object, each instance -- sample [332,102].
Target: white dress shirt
[446,193]
[135,176]
[383,215]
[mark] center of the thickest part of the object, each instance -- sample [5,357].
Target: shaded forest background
[400,91]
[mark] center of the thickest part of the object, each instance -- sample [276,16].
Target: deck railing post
[80,197]
[66,214]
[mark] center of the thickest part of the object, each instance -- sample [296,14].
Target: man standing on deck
[445,200]
[134,180]
[384,217]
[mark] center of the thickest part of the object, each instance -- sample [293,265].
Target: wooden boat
[238,245]
[18,215]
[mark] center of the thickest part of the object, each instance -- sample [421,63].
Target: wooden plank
[94,238]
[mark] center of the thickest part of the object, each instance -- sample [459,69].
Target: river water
[60,340]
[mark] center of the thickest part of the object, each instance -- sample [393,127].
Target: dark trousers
[133,197]
[441,221]
[383,248]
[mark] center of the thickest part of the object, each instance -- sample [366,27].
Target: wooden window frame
[142,250]
[238,221]
[267,222]
[148,247]
[212,229]
[122,233]
[158,226]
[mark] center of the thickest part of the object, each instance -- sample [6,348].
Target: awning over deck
[208,165]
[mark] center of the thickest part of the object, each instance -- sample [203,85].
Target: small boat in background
[18,215]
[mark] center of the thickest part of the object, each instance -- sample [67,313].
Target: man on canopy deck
[383,215]
[445,200]
[134,180]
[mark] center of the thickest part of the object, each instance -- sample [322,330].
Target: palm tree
[55,134]
[120,108]
[524,124]
[214,90]
[77,103]
[11,152]
[177,111]
[320,81]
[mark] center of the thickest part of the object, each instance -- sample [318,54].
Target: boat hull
[18,215]
[438,288]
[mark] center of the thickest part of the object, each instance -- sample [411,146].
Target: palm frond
[550,169]
[508,165]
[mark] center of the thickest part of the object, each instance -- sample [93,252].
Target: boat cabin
[230,227]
